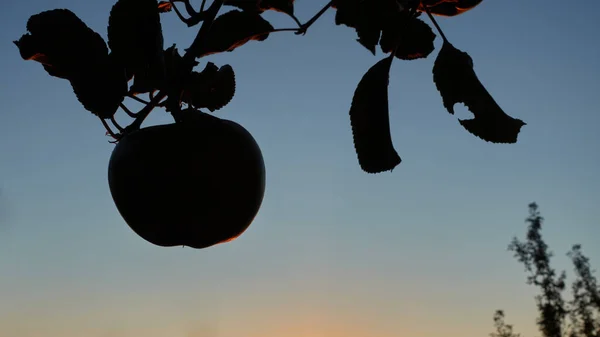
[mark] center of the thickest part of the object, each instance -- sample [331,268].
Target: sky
[418,252]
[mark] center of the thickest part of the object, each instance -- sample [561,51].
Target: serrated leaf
[100,89]
[369,117]
[135,38]
[457,82]
[448,7]
[246,5]
[61,42]
[213,88]
[368,18]
[174,66]
[368,36]
[165,6]
[234,29]
[68,49]
[283,6]
[413,37]
[347,12]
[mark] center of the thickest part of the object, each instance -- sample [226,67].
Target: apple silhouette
[197,182]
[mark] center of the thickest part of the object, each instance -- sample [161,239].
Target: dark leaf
[166,6]
[62,43]
[368,36]
[246,5]
[347,12]
[233,29]
[368,18]
[413,37]
[135,38]
[457,82]
[68,49]
[100,89]
[448,7]
[174,66]
[283,6]
[369,117]
[213,88]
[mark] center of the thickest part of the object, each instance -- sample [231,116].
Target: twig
[109,131]
[194,19]
[134,97]
[112,119]
[142,114]
[200,40]
[127,111]
[189,62]
[190,9]
[436,25]
[304,27]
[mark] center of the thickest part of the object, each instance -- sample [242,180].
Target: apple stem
[439,29]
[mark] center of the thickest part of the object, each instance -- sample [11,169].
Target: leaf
[165,6]
[347,12]
[174,66]
[283,6]
[68,49]
[457,82]
[369,117]
[234,29]
[101,89]
[368,36]
[213,88]
[61,42]
[413,37]
[246,5]
[259,6]
[448,7]
[368,18]
[135,38]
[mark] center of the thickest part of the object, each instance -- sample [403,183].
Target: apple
[197,182]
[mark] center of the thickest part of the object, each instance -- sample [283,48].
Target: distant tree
[502,329]
[585,306]
[579,317]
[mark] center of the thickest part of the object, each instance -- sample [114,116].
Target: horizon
[334,251]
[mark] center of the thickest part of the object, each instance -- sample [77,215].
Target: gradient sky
[420,252]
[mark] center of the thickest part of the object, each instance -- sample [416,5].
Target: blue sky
[418,252]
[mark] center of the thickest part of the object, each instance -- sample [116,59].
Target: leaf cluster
[134,62]
[395,27]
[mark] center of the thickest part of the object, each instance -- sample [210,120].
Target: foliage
[502,329]
[100,77]
[579,317]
